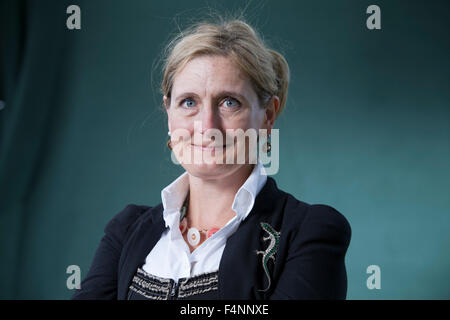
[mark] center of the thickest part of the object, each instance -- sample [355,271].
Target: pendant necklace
[194,235]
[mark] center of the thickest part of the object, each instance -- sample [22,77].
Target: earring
[169,141]
[267,146]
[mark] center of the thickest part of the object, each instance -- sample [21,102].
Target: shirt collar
[246,195]
[174,194]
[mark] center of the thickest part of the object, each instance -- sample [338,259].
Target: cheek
[258,117]
[179,123]
[180,132]
[250,119]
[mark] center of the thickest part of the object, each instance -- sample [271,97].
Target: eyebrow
[221,94]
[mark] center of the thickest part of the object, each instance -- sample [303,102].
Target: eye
[231,103]
[188,103]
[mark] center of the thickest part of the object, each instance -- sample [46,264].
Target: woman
[223,230]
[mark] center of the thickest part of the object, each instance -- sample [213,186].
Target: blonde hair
[266,68]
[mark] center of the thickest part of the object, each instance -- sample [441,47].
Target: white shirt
[171,257]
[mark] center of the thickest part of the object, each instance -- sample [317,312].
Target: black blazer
[309,261]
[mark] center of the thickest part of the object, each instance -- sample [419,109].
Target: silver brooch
[269,253]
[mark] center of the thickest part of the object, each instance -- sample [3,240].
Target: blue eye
[189,103]
[230,102]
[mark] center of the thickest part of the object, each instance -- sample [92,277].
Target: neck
[210,200]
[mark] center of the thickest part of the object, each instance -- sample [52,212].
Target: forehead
[207,74]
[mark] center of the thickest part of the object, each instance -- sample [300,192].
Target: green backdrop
[366,130]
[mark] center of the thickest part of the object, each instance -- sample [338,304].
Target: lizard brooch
[269,253]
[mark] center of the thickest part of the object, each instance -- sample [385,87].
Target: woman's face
[211,92]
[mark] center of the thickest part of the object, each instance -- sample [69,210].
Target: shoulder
[319,220]
[128,218]
[128,215]
[326,220]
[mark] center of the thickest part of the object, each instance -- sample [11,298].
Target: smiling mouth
[208,147]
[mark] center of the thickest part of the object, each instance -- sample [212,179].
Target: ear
[271,113]
[166,102]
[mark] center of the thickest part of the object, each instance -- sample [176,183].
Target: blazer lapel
[140,243]
[241,275]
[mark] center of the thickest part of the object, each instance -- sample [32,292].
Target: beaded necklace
[194,235]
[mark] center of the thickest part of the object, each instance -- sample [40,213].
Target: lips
[208,146]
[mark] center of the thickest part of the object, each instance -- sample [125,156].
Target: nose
[209,117]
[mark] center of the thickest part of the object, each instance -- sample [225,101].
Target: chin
[207,166]
[210,171]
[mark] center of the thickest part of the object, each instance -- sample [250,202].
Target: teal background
[366,130]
